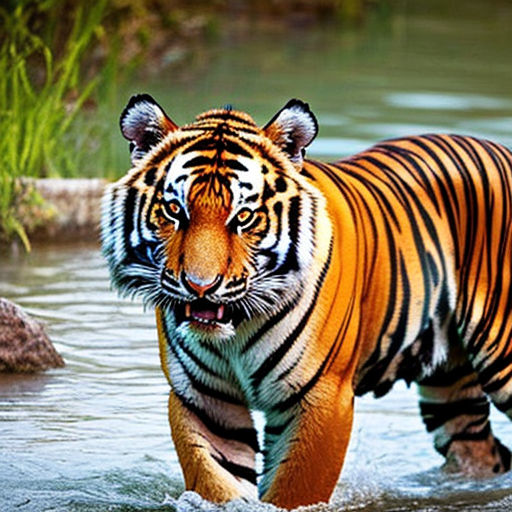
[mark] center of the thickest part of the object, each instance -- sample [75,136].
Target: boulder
[24,345]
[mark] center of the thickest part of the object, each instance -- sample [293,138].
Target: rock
[24,345]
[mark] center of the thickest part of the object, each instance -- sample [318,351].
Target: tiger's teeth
[187,310]
[220,312]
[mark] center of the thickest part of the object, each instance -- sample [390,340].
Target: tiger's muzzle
[205,305]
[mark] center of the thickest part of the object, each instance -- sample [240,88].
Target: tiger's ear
[144,123]
[292,129]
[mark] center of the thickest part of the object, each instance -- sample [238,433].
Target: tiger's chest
[256,372]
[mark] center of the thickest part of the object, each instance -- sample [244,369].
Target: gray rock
[24,345]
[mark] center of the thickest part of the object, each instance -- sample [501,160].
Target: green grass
[42,99]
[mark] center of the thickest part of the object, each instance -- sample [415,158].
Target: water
[417,67]
[94,435]
[69,436]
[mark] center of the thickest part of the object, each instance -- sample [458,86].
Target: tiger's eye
[174,208]
[244,216]
[171,210]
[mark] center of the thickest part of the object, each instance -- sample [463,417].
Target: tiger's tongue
[213,312]
[205,314]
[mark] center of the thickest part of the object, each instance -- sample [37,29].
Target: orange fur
[393,263]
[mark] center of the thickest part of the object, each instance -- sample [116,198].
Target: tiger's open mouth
[204,312]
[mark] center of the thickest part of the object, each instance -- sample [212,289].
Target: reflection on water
[94,435]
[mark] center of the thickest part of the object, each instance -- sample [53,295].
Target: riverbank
[76,207]
[67,210]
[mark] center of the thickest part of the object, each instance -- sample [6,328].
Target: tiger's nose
[198,286]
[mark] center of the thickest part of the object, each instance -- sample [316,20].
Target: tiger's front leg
[217,457]
[305,446]
[212,429]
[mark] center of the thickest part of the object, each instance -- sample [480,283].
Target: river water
[93,436]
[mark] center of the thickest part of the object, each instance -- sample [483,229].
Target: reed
[41,95]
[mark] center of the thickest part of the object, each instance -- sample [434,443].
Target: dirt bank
[74,209]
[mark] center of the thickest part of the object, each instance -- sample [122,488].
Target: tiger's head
[215,220]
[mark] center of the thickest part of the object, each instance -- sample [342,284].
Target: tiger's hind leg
[456,410]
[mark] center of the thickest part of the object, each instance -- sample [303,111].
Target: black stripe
[277,430]
[377,367]
[471,227]
[437,414]
[198,385]
[149,176]
[237,470]
[270,252]
[199,363]
[344,166]
[446,186]
[228,116]
[488,374]
[296,397]
[398,335]
[266,327]
[247,436]
[481,331]
[203,144]
[480,435]
[128,218]
[198,161]
[291,264]
[406,196]
[140,218]
[235,165]
[277,355]
[204,389]
[380,197]
[167,149]
[411,162]
[447,378]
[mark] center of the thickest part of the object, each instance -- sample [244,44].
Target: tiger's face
[215,220]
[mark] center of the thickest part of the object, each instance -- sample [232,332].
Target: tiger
[290,286]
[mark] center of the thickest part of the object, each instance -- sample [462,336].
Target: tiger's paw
[481,459]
